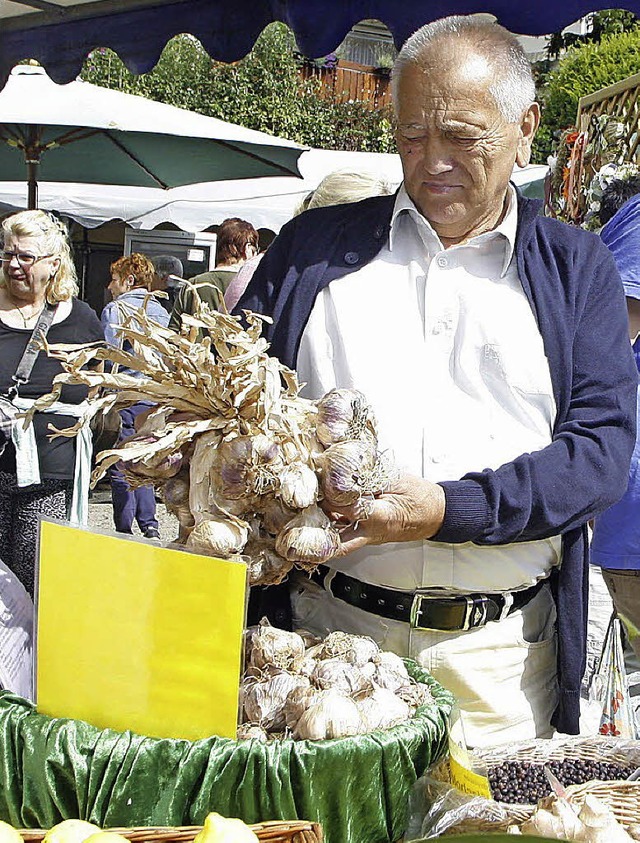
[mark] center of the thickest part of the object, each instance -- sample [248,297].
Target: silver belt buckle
[440,594]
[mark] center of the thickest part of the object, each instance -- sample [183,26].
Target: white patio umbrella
[266,203]
[84,133]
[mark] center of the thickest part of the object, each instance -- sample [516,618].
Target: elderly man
[491,342]
[168,278]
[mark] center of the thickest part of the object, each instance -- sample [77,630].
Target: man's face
[457,149]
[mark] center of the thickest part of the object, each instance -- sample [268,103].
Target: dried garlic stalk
[229,439]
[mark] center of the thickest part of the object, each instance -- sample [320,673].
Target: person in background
[491,343]
[167,279]
[336,188]
[344,186]
[615,544]
[131,279]
[615,194]
[237,242]
[37,271]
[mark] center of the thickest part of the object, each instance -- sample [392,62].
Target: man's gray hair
[167,265]
[514,89]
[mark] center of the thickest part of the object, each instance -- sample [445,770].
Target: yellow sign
[462,775]
[134,636]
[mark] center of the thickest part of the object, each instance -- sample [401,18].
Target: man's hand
[411,509]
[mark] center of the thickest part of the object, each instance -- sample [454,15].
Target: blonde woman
[37,269]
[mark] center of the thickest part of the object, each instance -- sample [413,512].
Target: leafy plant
[263,91]
[584,70]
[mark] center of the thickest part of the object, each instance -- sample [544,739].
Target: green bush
[584,70]
[263,91]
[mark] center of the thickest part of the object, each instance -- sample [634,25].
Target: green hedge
[584,70]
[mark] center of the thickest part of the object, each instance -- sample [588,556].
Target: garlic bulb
[184,516]
[307,666]
[246,465]
[308,539]
[298,486]
[298,701]
[264,702]
[386,677]
[332,716]
[275,515]
[266,567]
[272,646]
[310,639]
[556,819]
[345,470]
[381,709]
[251,731]
[218,537]
[556,824]
[344,414]
[415,694]
[356,649]
[392,661]
[175,492]
[600,823]
[335,674]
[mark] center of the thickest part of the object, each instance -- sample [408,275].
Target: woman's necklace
[27,319]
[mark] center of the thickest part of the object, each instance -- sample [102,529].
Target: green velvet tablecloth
[358,788]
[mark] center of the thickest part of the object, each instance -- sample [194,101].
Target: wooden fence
[621,102]
[607,123]
[351,82]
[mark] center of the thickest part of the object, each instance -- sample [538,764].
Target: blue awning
[60,33]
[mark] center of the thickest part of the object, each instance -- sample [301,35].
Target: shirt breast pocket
[520,371]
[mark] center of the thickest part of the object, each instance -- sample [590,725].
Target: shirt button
[351,258]
[442,261]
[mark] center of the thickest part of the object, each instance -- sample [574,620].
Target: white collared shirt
[445,346]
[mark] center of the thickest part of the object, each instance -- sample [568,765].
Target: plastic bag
[611,688]
[435,806]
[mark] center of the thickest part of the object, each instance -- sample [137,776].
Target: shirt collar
[506,229]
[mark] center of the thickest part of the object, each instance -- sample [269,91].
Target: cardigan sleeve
[265,287]
[585,468]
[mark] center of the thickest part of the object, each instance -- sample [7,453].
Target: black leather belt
[427,608]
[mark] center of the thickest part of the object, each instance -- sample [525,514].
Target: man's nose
[436,157]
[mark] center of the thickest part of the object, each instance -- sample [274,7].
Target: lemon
[70,831]
[106,837]
[218,829]
[8,834]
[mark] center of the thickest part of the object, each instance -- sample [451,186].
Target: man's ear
[528,127]
[131,280]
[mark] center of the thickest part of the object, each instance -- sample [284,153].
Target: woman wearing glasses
[37,275]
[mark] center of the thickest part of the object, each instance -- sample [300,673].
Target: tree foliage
[263,91]
[602,24]
[585,69]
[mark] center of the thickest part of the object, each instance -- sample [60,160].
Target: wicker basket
[622,797]
[275,831]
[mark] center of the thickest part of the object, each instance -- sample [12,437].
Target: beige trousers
[503,675]
[624,587]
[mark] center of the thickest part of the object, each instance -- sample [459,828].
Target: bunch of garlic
[557,819]
[257,499]
[296,686]
[351,467]
[239,457]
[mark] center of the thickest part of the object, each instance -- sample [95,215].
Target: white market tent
[265,202]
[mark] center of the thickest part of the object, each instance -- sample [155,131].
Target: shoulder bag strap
[32,349]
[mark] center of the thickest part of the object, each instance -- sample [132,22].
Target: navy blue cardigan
[575,292]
